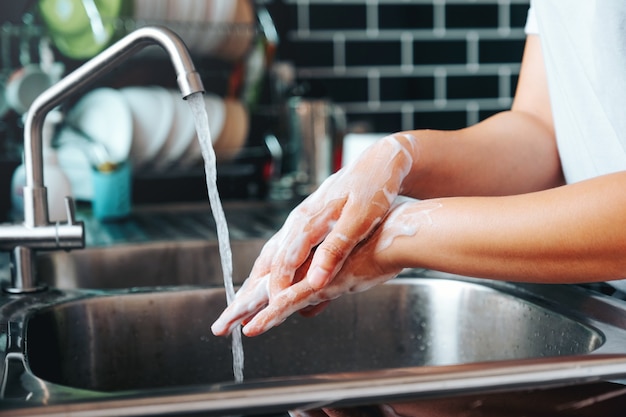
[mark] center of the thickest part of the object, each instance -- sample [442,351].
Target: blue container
[112,192]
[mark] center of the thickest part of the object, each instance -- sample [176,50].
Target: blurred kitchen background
[384,65]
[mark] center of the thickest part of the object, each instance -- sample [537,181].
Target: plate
[216,114]
[75,163]
[105,117]
[152,112]
[181,134]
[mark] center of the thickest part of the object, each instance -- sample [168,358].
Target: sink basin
[164,263]
[163,246]
[145,350]
[162,339]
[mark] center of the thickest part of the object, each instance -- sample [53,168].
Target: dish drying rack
[250,168]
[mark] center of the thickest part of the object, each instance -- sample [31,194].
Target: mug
[25,85]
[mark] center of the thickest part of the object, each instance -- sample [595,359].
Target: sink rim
[606,362]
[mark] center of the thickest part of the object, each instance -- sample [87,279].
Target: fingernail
[217,329]
[317,277]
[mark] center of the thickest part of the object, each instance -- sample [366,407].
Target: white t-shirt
[584,48]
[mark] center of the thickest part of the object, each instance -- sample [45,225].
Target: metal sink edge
[36,397]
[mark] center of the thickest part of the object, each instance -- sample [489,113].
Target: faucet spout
[189,82]
[37,233]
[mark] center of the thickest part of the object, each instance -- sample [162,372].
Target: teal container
[112,191]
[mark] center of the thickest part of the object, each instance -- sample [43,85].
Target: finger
[313,310]
[305,231]
[251,298]
[284,304]
[352,227]
[263,264]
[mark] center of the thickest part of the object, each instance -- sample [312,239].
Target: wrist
[407,145]
[399,243]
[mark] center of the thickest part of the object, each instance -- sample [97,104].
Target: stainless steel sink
[421,335]
[163,246]
[139,341]
[159,263]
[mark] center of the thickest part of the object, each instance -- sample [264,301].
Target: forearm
[572,233]
[509,153]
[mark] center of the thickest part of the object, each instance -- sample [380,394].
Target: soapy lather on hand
[260,309]
[319,236]
[494,201]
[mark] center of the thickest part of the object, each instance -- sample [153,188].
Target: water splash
[201,120]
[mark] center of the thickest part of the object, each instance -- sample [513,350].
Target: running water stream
[198,109]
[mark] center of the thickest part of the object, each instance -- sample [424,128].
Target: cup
[112,195]
[25,85]
[312,150]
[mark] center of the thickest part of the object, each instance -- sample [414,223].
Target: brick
[519,13]
[483,86]
[407,88]
[485,114]
[344,89]
[309,53]
[471,16]
[370,53]
[514,80]
[380,122]
[337,16]
[405,16]
[496,51]
[439,52]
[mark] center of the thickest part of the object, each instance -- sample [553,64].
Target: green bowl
[71,29]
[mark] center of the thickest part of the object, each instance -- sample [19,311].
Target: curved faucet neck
[189,81]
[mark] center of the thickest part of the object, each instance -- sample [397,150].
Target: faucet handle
[70,209]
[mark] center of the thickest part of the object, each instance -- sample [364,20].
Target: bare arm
[573,233]
[494,206]
[512,152]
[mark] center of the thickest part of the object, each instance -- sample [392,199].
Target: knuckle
[335,249]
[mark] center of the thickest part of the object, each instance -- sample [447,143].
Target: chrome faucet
[37,232]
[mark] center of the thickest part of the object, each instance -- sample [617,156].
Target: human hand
[336,217]
[369,264]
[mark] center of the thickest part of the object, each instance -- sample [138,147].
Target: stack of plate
[164,134]
[151,127]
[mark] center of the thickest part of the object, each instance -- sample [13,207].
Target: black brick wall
[402,64]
